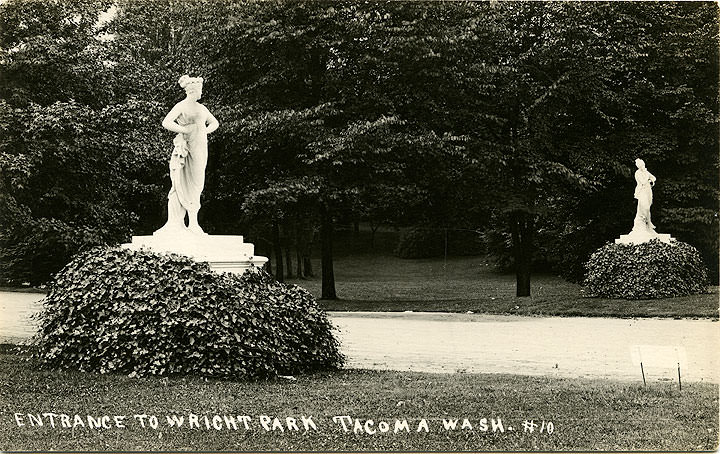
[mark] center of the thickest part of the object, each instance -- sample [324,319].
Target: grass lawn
[373,282]
[585,414]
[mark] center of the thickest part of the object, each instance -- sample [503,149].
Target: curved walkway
[548,346]
[475,343]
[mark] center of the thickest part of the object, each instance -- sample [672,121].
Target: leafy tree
[664,88]
[518,117]
[58,171]
[565,100]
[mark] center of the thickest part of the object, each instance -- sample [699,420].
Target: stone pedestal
[643,236]
[224,253]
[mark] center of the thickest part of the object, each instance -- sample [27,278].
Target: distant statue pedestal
[224,253]
[641,234]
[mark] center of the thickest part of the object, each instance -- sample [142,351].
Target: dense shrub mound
[136,312]
[649,270]
[426,242]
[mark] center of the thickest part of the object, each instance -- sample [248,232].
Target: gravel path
[15,311]
[476,343]
[548,346]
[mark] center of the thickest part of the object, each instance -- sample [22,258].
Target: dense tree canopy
[519,118]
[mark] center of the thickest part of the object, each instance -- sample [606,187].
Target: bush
[499,248]
[425,242]
[648,270]
[418,242]
[136,312]
[465,242]
[33,249]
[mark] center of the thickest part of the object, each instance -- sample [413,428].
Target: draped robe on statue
[187,170]
[644,196]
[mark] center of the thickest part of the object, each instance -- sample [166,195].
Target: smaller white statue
[643,193]
[643,229]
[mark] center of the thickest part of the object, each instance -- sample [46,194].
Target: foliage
[464,242]
[648,270]
[522,117]
[78,156]
[498,246]
[419,242]
[65,184]
[666,85]
[31,248]
[422,242]
[48,52]
[139,313]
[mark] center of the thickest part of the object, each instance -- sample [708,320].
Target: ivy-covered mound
[643,271]
[140,313]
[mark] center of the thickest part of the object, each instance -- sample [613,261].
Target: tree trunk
[326,238]
[279,271]
[522,279]
[297,242]
[298,258]
[306,238]
[288,262]
[522,232]
[356,232]
[307,246]
[373,229]
[307,264]
[447,240]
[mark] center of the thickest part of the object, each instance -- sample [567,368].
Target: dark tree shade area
[518,119]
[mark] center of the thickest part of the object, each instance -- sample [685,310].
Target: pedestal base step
[643,237]
[224,253]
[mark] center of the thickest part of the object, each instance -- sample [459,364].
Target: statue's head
[640,163]
[192,86]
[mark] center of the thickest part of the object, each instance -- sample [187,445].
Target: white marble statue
[643,229]
[193,122]
[224,253]
[643,193]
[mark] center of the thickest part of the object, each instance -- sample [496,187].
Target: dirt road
[475,343]
[548,346]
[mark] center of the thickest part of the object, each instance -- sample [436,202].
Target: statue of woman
[643,193]
[193,122]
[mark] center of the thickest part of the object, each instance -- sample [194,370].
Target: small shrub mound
[416,243]
[643,271]
[426,242]
[140,313]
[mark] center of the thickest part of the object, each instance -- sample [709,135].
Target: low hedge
[426,242]
[644,271]
[418,242]
[140,313]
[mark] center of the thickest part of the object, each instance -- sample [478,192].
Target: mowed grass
[376,280]
[585,414]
